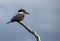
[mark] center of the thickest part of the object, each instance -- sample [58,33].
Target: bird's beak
[26,13]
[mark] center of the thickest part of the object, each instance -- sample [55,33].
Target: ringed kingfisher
[19,16]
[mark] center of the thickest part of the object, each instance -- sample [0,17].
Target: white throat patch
[21,12]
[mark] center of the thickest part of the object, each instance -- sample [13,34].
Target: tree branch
[30,30]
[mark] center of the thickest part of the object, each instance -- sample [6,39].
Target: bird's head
[22,11]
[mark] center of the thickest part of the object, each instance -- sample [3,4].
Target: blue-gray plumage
[18,17]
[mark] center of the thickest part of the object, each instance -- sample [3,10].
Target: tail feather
[8,22]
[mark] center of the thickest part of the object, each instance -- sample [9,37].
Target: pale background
[44,17]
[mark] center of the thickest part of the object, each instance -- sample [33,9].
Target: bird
[19,16]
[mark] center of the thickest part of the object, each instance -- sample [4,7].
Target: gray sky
[44,17]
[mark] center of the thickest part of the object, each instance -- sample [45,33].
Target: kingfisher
[19,16]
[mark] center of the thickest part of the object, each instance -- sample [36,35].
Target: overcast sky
[44,17]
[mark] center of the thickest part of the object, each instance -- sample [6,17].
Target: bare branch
[30,30]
